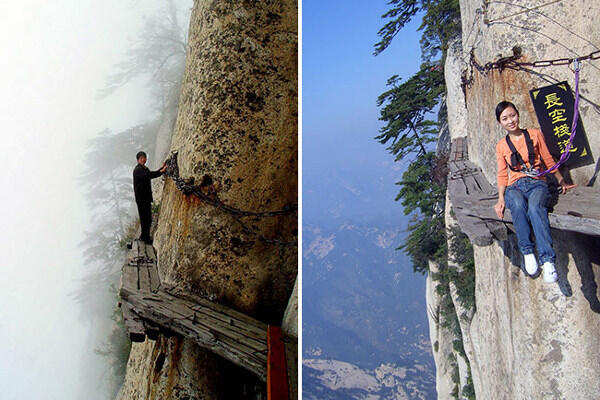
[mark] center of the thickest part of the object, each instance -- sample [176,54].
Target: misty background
[58,325]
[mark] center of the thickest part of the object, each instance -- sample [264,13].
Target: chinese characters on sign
[554,107]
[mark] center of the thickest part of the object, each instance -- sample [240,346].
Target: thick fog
[55,58]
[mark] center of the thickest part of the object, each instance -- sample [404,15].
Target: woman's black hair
[140,154]
[503,105]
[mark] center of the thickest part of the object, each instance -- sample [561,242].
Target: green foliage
[402,12]
[461,253]
[422,194]
[409,133]
[419,190]
[405,108]
[455,377]
[410,136]
[425,242]
[468,390]
[441,22]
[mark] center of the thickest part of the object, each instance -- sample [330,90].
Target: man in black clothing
[143,193]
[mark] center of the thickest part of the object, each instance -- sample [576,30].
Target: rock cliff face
[237,128]
[527,339]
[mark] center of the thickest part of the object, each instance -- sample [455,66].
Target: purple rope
[566,154]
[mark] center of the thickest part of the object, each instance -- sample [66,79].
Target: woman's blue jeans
[527,199]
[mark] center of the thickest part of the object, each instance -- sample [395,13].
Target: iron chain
[512,63]
[211,197]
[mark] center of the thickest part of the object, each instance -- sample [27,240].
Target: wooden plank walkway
[150,308]
[473,199]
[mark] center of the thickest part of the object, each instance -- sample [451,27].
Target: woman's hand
[499,208]
[564,187]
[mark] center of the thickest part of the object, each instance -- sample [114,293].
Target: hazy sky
[54,58]
[341,82]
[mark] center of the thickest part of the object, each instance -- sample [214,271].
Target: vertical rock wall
[237,127]
[528,339]
[441,340]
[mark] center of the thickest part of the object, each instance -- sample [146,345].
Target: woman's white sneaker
[550,274]
[531,265]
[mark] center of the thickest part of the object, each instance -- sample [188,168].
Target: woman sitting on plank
[524,192]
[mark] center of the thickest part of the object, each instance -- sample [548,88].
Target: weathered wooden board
[129,277]
[176,315]
[149,251]
[154,277]
[224,312]
[458,149]
[206,317]
[144,277]
[561,217]
[133,323]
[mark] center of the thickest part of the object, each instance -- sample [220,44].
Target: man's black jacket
[141,183]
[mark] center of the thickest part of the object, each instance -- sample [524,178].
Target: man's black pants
[145,211]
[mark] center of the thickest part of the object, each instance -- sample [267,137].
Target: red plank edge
[277,382]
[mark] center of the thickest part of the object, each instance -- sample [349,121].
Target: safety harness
[516,161]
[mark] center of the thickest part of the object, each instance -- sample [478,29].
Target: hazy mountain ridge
[363,290]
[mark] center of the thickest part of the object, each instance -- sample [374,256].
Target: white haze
[54,57]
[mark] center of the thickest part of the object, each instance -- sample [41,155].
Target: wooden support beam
[277,381]
[133,323]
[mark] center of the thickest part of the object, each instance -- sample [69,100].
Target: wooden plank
[570,223]
[226,332]
[231,332]
[232,324]
[277,381]
[498,229]
[129,277]
[580,200]
[157,312]
[210,320]
[575,224]
[254,324]
[154,278]
[259,355]
[224,322]
[468,177]
[135,249]
[144,278]
[459,149]
[474,228]
[173,317]
[149,251]
[133,323]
